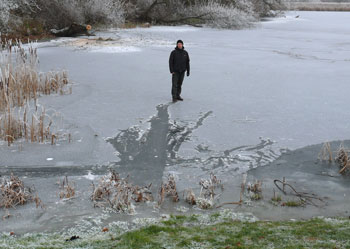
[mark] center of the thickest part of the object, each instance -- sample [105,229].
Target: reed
[21,83]
[116,193]
[13,193]
[67,189]
[207,197]
[15,124]
[168,188]
[255,190]
[343,160]
[326,153]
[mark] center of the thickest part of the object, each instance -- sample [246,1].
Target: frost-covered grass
[185,232]
[219,230]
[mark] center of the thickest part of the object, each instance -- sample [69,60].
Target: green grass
[276,198]
[256,197]
[191,232]
[293,203]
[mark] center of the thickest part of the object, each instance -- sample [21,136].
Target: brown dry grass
[118,194]
[15,124]
[22,83]
[343,160]
[190,197]
[13,193]
[255,190]
[67,189]
[326,153]
[208,186]
[20,80]
[168,188]
[207,195]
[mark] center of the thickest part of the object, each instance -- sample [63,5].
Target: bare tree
[216,13]
[62,13]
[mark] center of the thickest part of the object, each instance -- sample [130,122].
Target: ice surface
[251,93]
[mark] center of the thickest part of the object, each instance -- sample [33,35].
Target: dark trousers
[177,80]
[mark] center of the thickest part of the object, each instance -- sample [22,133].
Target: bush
[267,7]
[215,13]
[107,12]
[219,15]
[10,9]
[62,13]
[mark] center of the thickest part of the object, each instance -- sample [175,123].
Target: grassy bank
[192,232]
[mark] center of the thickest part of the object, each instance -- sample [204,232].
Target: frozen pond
[252,95]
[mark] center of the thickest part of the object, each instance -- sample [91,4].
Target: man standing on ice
[179,63]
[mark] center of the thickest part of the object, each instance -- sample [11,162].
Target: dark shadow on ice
[146,153]
[150,147]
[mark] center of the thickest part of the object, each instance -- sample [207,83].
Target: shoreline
[44,37]
[338,7]
[218,230]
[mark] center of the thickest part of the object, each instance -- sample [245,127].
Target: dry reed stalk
[343,160]
[242,188]
[208,186]
[168,188]
[117,193]
[20,83]
[190,197]
[326,153]
[142,194]
[25,125]
[14,193]
[255,190]
[345,168]
[255,187]
[53,139]
[67,189]
[207,196]
[38,202]
[15,125]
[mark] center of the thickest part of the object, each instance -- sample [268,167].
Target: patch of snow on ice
[90,176]
[120,49]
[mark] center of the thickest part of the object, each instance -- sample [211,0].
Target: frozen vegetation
[35,16]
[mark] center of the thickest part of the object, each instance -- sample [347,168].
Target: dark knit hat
[180,41]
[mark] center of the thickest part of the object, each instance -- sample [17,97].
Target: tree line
[42,15]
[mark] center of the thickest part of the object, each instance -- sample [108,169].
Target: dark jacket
[179,61]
